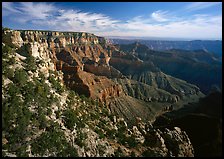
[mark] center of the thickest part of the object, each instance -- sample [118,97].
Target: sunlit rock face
[134,91]
[94,67]
[71,53]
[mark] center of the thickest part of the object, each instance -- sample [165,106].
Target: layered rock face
[72,53]
[59,43]
[91,66]
[94,67]
[146,92]
[94,86]
[182,64]
[146,72]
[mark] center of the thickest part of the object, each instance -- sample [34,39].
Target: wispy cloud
[160,16]
[197,27]
[25,12]
[49,15]
[159,24]
[86,21]
[37,10]
[8,8]
[200,5]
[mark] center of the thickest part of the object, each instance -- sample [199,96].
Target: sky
[184,20]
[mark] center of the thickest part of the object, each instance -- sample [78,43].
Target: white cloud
[8,8]
[84,21]
[28,11]
[200,5]
[196,27]
[37,10]
[160,16]
[159,24]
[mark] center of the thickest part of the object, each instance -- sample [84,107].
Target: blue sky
[190,20]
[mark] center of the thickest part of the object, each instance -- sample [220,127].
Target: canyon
[117,95]
[94,67]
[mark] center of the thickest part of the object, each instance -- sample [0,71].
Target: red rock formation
[96,87]
[102,70]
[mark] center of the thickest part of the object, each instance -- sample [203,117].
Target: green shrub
[121,138]
[6,49]
[56,84]
[149,153]
[119,153]
[121,127]
[83,97]
[101,124]
[42,121]
[133,154]
[31,63]
[29,92]
[6,39]
[71,98]
[20,77]
[94,115]
[69,152]
[111,133]
[21,151]
[58,114]
[5,28]
[53,141]
[13,90]
[10,73]
[12,60]
[100,133]
[49,111]
[81,136]
[105,112]
[4,67]
[131,141]
[6,60]
[70,118]
[101,149]
[42,77]
[14,111]
[25,50]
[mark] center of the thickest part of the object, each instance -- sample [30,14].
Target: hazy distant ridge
[213,46]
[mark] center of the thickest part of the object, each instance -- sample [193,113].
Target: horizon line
[128,37]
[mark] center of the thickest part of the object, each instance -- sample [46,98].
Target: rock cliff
[43,118]
[69,52]
[95,68]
